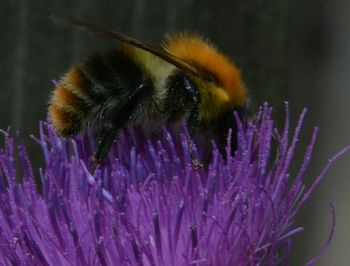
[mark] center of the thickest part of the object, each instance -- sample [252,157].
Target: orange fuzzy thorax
[226,91]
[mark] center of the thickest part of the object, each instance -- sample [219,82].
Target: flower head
[147,205]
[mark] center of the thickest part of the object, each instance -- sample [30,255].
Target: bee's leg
[196,163]
[118,117]
[192,117]
[192,125]
[103,146]
[192,121]
[184,98]
[191,90]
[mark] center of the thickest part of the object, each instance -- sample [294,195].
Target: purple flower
[147,205]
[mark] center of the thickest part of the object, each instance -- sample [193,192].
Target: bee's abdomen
[69,103]
[86,91]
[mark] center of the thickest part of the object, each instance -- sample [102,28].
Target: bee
[186,80]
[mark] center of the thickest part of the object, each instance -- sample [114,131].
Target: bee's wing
[123,38]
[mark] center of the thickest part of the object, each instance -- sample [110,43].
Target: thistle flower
[147,205]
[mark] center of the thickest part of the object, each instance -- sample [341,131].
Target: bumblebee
[186,80]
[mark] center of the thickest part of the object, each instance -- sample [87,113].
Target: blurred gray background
[287,50]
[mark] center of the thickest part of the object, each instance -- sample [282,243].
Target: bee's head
[220,85]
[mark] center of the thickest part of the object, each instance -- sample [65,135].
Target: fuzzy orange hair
[206,57]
